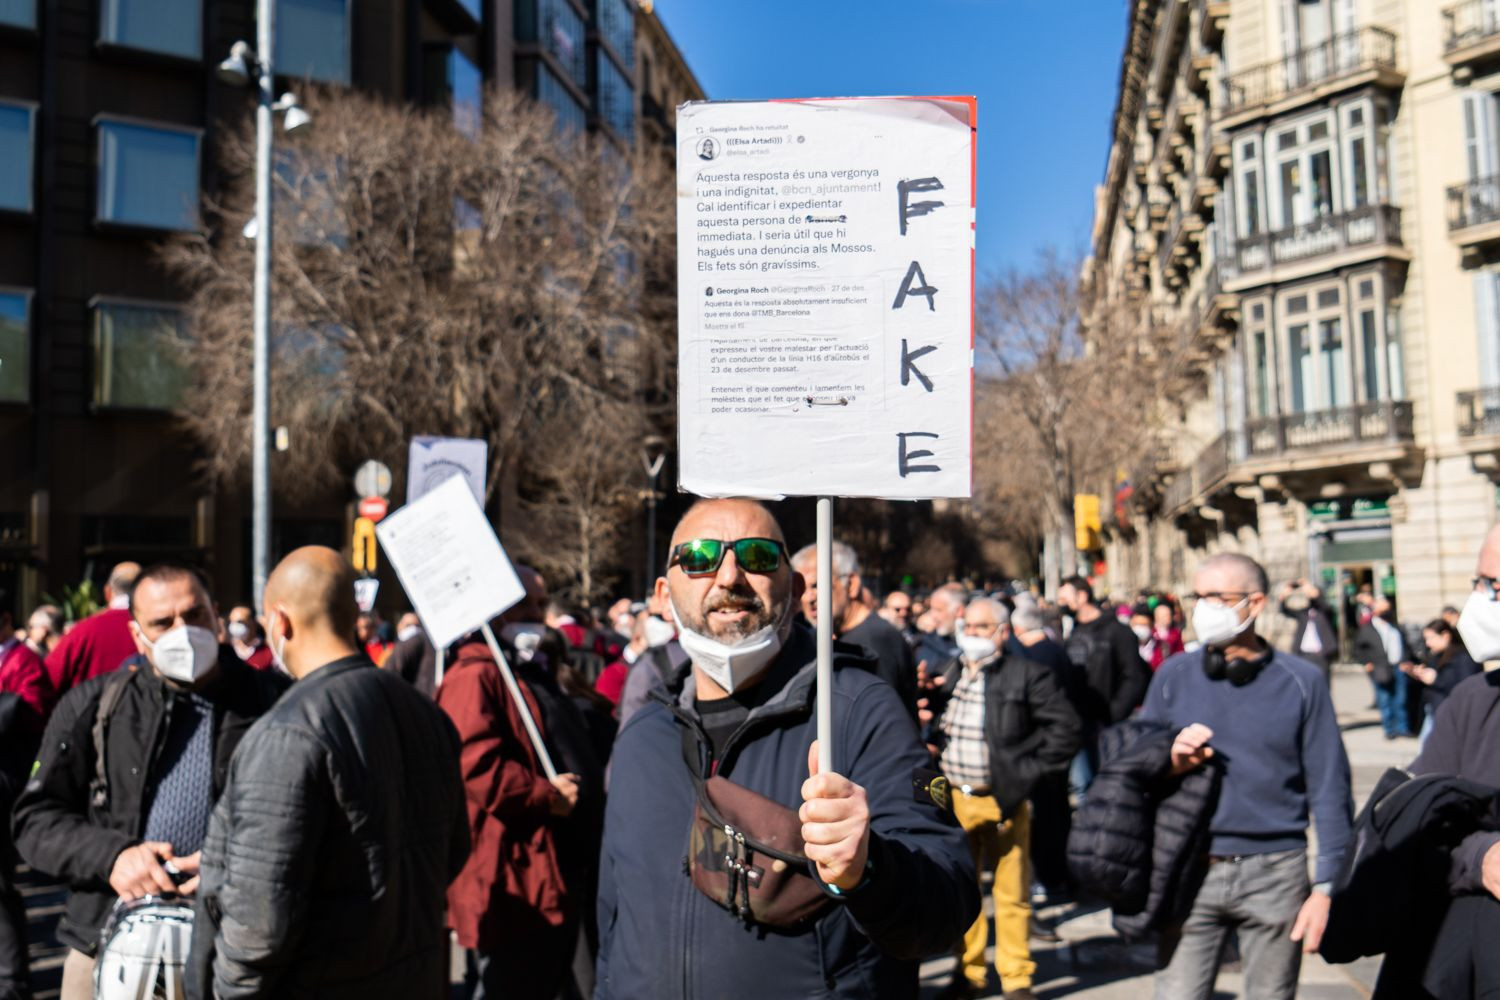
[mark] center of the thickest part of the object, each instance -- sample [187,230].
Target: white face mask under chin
[1479,627]
[729,665]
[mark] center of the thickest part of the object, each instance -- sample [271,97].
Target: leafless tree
[428,278]
[1061,407]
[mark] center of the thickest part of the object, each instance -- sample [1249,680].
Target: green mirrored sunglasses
[702,556]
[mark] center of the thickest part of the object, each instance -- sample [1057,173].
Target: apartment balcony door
[1303,174]
[1482,157]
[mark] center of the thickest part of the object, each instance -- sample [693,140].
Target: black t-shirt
[895,663]
[721,717]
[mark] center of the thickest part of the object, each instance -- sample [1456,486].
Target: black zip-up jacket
[58,830]
[1029,724]
[328,857]
[1114,677]
[662,939]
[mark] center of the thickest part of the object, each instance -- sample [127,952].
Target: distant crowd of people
[630,801]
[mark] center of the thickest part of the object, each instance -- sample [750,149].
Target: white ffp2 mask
[185,653]
[1217,624]
[1479,627]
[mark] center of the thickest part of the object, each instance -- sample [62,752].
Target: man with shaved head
[1267,715]
[861,879]
[341,824]
[168,727]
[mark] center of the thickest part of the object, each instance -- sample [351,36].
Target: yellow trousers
[1007,845]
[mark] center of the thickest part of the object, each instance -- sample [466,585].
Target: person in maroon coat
[100,643]
[511,904]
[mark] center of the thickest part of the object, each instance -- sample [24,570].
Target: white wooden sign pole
[515,694]
[825,635]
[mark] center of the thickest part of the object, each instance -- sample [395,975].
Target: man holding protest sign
[846,879]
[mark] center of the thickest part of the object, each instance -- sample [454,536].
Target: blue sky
[1045,73]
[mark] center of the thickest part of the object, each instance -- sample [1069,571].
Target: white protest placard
[825,297]
[433,460]
[365,591]
[449,561]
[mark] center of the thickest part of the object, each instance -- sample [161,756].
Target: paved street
[1092,963]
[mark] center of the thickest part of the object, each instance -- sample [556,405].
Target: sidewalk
[1092,963]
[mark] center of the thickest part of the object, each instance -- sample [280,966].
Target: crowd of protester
[651,817]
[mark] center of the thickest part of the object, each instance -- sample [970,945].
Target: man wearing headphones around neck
[1267,717]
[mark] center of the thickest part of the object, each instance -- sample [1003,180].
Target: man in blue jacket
[893,870]
[1267,716]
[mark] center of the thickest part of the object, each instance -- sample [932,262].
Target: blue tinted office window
[552,92]
[174,27]
[138,359]
[616,98]
[15,347]
[617,27]
[312,39]
[18,13]
[148,176]
[466,87]
[557,28]
[472,6]
[17,139]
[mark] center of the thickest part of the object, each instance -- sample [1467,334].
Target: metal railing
[1384,420]
[1473,203]
[1469,22]
[1327,234]
[1180,491]
[1342,55]
[1479,412]
[1212,464]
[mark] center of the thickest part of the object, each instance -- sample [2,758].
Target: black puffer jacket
[58,830]
[1140,839]
[330,852]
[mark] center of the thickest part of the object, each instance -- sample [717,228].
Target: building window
[453,80]
[1359,165]
[616,26]
[558,28]
[1319,370]
[305,198]
[137,356]
[1248,184]
[1395,363]
[173,27]
[312,39]
[18,138]
[1369,344]
[148,176]
[15,346]
[616,101]
[1302,181]
[18,13]
[554,93]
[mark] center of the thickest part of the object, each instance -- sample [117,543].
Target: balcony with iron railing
[1380,422]
[1346,60]
[1334,239]
[1474,216]
[1479,413]
[1471,32]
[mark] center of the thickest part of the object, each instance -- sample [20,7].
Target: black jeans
[15,980]
[1051,821]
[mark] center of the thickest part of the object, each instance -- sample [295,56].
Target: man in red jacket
[510,904]
[100,643]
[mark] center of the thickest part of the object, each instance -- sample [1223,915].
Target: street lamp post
[260,430]
[237,70]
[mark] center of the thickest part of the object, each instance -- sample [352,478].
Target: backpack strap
[109,700]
